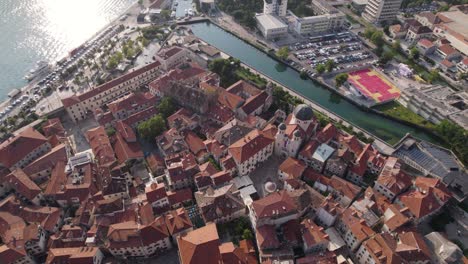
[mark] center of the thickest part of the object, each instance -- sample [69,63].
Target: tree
[320,68]
[386,57]
[433,76]
[166,14]
[368,32]
[166,107]
[283,53]
[303,75]
[340,79]
[329,65]
[247,234]
[152,128]
[414,53]
[377,38]
[110,131]
[396,45]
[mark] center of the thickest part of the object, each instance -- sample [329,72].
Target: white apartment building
[275,7]
[79,106]
[378,11]
[327,19]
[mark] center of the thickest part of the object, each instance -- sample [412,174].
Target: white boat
[40,68]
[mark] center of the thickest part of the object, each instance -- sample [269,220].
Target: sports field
[373,85]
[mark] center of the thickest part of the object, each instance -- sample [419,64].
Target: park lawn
[398,111]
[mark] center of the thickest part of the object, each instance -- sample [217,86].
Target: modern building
[380,11]
[327,18]
[275,7]
[271,26]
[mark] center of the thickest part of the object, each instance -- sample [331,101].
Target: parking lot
[345,49]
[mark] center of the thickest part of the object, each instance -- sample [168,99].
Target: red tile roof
[292,167]
[53,126]
[133,119]
[177,221]
[396,219]
[420,204]
[48,160]
[23,184]
[126,151]
[67,102]
[447,49]
[200,246]
[309,149]
[440,189]
[179,196]
[267,238]
[275,204]
[194,142]
[101,146]
[155,192]
[344,187]
[131,101]
[393,178]
[16,148]
[250,145]
[413,247]
[425,43]
[313,234]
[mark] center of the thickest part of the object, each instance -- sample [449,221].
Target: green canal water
[388,130]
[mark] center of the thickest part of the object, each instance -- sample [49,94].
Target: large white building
[378,11]
[270,26]
[327,18]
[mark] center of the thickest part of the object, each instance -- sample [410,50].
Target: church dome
[303,112]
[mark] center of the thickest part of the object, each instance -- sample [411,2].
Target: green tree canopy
[320,68]
[386,57]
[167,106]
[433,76]
[329,65]
[414,53]
[283,53]
[340,79]
[152,128]
[377,38]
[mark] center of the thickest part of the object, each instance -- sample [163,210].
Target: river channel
[388,130]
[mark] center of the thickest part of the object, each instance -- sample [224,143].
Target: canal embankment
[258,58]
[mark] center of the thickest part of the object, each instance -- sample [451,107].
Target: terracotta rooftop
[23,184]
[275,204]
[420,203]
[200,246]
[16,148]
[250,145]
[67,102]
[292,167]
[101,146]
